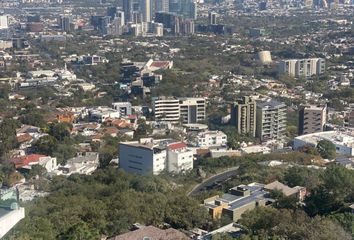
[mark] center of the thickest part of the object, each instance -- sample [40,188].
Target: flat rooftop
[339,138]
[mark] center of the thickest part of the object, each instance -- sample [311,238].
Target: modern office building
[270,120]
[302,67]
[192,110]
[312,119]
[243,116]
[184,110]
[212,18]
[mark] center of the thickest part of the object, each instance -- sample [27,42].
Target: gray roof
[272,103]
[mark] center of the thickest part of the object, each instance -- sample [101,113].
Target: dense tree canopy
[107,202]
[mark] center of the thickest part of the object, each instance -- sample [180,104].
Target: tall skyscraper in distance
[162,6]
[145,8]
[243,116]
[64,23]
[212,18]
[112,12]
[127,9]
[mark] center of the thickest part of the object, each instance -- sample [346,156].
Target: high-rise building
[127,9]
[212,18]
[100,23]
[145,8]
[121,17]
[302,67]
[312,119]
[162,6]
[270,120]
[243,116]
[112,12]
[4,22]
[193,10]
[192,110]
[64,23]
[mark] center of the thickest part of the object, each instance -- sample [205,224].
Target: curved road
[220,177]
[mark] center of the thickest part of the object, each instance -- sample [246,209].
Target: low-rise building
[85,163]
[211,139]
[298,192]
[149,156]
[101,114]
[343,142]
[237,201]
[27,161]
[255,149]
[179,157]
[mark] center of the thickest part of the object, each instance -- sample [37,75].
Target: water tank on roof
[265,57]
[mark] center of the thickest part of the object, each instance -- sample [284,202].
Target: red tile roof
[160,64]
[25,160]
[175,146]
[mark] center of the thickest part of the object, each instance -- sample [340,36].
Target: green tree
[326,149]
[46,145]
[81,231]
[60,130]
[8,138]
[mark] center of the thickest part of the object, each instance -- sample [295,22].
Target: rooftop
[338,138]
[152,233]
[270,104]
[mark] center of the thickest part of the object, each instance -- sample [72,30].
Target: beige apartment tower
[243,116]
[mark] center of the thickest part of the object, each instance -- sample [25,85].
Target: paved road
[220,177]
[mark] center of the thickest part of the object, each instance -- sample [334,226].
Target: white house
[211,139]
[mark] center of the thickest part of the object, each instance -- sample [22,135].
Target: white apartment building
[124,108]
[307,67]
[179,158]
[186,110]
[151,157]
[211,139]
